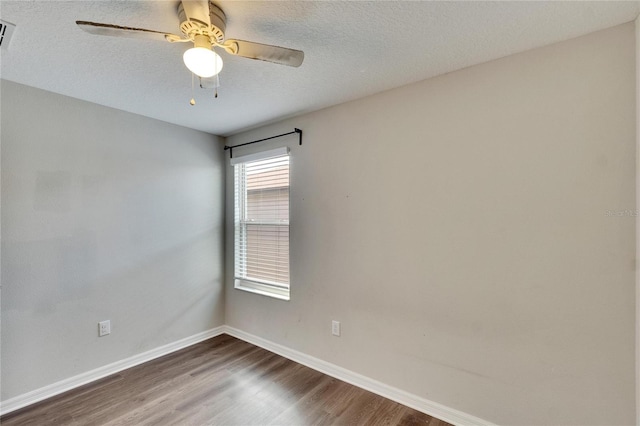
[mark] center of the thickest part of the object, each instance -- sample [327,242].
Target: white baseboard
[48,391]
[431,408]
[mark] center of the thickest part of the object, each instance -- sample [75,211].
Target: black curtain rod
[295,130]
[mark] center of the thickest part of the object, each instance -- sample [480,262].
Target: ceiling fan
[203,24]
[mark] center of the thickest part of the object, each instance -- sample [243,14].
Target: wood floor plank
[221,381]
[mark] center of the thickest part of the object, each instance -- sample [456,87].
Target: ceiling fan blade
[197,10]
[118,31]
[265,52]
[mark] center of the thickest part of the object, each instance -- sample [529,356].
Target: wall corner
[637,53]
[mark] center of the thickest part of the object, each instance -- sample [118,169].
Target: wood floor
[221,381]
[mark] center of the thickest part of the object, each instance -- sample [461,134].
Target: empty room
[319,212]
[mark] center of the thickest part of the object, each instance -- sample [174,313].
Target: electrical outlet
[104,328]
[335,328]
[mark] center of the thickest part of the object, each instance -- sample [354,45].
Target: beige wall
[105,215]
[457,228]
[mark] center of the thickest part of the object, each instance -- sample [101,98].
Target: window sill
[264,290]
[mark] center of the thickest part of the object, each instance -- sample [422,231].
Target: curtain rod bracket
[299,132]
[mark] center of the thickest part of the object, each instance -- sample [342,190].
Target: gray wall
[105,215]
[457,228]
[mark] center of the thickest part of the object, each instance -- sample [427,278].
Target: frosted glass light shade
[202,62]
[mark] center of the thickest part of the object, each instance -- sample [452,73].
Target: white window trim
[262,155]
[276,291]
[260,288]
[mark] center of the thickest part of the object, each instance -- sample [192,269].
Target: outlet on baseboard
[335,328]
[104,328]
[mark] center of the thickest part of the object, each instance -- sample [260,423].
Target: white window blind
[262,223]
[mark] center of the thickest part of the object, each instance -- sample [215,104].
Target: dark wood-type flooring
[221,381]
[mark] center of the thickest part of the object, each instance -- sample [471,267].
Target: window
[262,223]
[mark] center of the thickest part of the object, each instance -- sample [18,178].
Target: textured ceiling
[352,49]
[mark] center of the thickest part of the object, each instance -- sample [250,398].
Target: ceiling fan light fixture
[201,59]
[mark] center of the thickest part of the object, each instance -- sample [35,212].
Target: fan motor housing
[192,27]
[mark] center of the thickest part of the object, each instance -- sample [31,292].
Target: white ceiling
[352,49]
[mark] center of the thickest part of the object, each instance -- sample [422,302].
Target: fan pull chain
[192,102]
[217,79]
